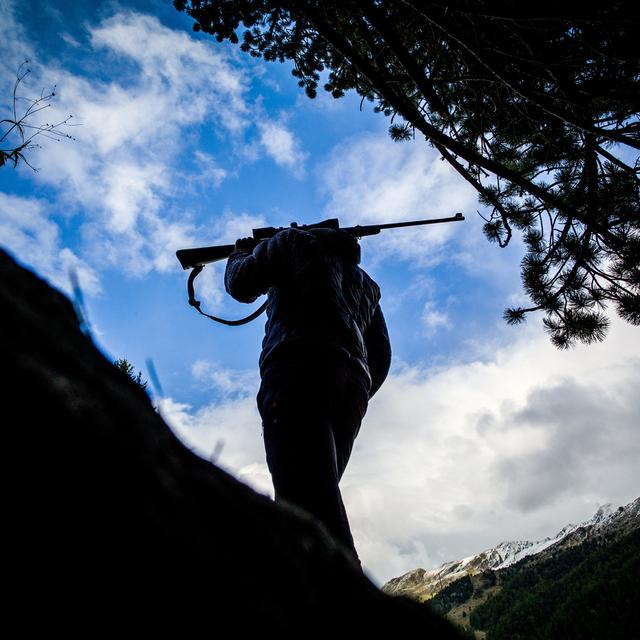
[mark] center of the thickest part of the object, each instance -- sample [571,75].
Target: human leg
[301,450]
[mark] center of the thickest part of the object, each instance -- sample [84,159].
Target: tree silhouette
[535,106]
[126,367]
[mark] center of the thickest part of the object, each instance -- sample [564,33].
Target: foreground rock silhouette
[113,522]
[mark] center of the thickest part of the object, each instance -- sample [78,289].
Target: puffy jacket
[322,305]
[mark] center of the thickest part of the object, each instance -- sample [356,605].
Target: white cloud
[210,172]
[70,40]
[372,180]
[122,169]
[28,233]
[230,383]
[463,457]
[281,145]
[434,319]
[231,226]
[134,151]
[16,49]
[580,426]
[231,430]
[513,443]
[195,78]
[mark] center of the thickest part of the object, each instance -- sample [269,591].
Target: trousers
[311,415]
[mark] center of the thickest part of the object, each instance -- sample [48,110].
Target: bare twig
[18,131]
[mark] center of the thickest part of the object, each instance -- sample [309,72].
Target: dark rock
[114,523]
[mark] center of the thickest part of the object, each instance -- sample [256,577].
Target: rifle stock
[191,258]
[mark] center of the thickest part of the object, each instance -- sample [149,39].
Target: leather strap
[196,303]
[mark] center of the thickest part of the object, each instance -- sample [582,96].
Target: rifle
[192,258]
[195,259]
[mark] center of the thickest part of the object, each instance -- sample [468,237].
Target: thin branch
[604,153]
[20,124]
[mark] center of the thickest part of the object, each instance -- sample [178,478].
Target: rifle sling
[196,303]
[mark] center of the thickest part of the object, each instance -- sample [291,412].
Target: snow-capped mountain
[422,584]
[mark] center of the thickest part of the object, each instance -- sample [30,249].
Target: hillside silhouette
[113,522]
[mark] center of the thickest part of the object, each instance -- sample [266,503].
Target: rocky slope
[421,584]
[112,525]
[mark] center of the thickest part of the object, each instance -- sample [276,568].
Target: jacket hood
[342,244]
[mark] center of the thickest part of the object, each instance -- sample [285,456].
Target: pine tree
[126,367]
[535,105]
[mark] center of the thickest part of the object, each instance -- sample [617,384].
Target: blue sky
[483,432]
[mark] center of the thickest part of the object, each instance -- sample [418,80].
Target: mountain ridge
[420,584]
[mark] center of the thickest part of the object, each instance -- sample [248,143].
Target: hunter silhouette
[325,353]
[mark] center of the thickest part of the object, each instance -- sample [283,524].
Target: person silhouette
[325,353]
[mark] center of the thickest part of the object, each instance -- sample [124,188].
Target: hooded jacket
[322,306]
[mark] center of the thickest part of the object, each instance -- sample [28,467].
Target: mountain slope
[421,584]
[584,591]
[582,583]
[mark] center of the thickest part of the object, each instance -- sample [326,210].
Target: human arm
[256,266]
[246,275]
[376,340]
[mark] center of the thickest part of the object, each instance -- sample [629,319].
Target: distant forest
[588,591]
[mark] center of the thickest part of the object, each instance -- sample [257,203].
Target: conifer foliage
[535,105]
[127,368]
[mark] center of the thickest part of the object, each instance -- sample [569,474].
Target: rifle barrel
[415,223]
[360,231]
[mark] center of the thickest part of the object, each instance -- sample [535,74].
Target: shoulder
[293,241]
[294,235]
[369,282]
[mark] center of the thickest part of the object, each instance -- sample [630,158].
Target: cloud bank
[371,179]
[31,236]
[512,443]
[142,107]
